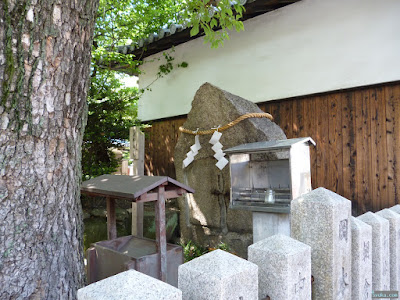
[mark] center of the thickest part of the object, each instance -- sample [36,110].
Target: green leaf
[194,31]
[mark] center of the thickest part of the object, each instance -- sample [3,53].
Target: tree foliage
[112,111]
[112,107]
[214,20]
[124,22]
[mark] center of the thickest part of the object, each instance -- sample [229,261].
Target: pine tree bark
[44,70]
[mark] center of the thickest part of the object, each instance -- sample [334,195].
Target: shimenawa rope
[226,126]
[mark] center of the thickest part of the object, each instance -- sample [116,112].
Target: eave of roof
[177,34]
[267,146]
[128,187]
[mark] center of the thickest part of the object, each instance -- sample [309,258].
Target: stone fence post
[129,285]
[321,219]
[361,260]
[394,246]
[218,275]
[396,208]
[380,250]
[284,268]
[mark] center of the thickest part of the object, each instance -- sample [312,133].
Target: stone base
[269,224]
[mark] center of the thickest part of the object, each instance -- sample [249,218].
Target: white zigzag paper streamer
[217,148]
[194,150]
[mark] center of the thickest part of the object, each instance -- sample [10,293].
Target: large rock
[208,209]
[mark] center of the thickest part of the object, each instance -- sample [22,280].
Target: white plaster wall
[308,47]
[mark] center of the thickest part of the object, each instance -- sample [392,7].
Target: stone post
[361,263]
[218,275]
[321,219]
[284,268]
[380,250]
[396,208]
[129,285]
[394,246]
[136,153]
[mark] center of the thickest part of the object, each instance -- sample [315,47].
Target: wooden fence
[357,134]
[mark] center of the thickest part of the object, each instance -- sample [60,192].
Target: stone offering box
[266,176]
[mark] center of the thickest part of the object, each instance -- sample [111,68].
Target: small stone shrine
[321,219]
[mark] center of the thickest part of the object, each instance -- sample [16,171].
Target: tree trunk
[44,69]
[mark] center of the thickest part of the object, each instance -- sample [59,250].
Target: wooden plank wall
[357,134]
[160,141]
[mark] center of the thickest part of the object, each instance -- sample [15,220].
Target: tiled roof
[177,34]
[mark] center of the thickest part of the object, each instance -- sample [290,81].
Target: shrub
[191,250]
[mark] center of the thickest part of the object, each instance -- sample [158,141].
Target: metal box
[108,258]
[266,176]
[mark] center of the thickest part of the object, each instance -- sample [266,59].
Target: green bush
[191,250]
[112,111]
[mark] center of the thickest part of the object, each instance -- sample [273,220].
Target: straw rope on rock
[226,126]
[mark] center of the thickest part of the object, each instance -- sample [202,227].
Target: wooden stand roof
[132,187]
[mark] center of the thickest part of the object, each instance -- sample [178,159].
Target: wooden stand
[138,189]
